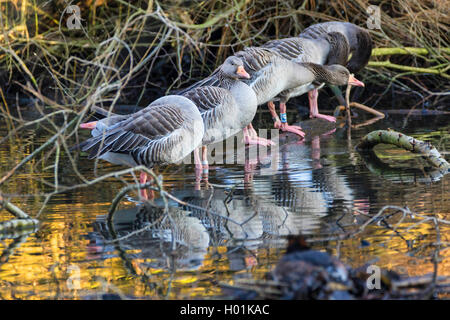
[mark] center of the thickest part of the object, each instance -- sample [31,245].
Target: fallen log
[426,149]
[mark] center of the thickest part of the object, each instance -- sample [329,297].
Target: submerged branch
[16,211]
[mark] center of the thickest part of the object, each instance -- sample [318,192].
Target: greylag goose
[226,108]
[166,131]
[329,49]
[358,39]
[272,74]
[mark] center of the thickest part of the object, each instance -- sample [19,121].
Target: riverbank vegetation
[132,52]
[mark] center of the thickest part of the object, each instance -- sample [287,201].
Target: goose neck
[227,82]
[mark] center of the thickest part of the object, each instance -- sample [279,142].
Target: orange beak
[242,73]
[355,82]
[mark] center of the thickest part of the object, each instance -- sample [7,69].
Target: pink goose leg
[252,132]
[314,109]
[205,164]
[143,177]
[284,125]
[197,161]
[251,137]
[315,152]
[249,167]
[276,119]
[198,168]
[277,122]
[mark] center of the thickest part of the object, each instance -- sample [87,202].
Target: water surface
[320,187]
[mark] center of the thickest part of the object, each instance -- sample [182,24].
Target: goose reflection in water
[294,196]
[155,245]
[291,198]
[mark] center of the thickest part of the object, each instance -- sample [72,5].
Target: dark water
[320,188]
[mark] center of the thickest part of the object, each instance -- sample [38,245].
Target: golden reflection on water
[62,260]
[39,267]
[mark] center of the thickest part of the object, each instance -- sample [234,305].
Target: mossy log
[428,151]
[388,64]
[405,50]
[441,71]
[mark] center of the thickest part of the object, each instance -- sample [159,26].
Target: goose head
[339,75]
[233,68]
